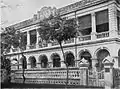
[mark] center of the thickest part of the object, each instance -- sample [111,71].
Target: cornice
[65,10]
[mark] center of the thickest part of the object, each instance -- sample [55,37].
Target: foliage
[57,29]
[11,38]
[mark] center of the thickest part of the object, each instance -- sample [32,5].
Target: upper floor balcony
[73,41]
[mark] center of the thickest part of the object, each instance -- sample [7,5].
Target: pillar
[112,10]
[83,66]
[93,26]
[28,39]
[116,61]
[94,61]
[108,75]
[63,64]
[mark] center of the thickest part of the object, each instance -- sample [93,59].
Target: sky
[14,11]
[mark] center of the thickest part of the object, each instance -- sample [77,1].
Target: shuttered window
[84,22]
[33,37]
[102,17]
[102,21]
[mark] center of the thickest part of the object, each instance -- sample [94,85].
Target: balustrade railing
[69,41]
[33,46]
[84,38]
[59,75]
[54,43]
[102,35]
[15,49]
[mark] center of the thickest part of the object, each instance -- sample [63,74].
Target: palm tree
[57,29]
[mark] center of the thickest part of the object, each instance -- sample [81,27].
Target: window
[102,21]
[85,25]
[33,37]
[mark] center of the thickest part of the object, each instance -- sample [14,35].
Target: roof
[65,10]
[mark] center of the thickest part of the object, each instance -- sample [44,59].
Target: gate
[96,78]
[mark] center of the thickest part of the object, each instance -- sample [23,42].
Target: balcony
[84,38]
[15,50]
[33,46]
[102,35]
[40,45]
[54,43]
[69,41]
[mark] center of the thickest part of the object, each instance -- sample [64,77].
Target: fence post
[108,73]
[83,65]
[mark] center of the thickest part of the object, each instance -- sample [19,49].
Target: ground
[16,85]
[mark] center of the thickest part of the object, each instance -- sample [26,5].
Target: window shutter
[84,21]
[102,17]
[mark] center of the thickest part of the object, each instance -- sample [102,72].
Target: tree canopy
[11,38]
[57,29]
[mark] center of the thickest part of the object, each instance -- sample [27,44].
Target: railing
[84,38]
[54,43]
[33,46]
[69,41]
[96,78]
[59,75]
[15,49]
[116,77]
[102,35]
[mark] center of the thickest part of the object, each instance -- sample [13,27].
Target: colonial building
[99,37]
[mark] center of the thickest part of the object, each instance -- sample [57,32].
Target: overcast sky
[14,11]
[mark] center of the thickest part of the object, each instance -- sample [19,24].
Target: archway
[87,56]
[101,54]
[69,58]
[32,61]
[23,61]
[56,60]
[44,61]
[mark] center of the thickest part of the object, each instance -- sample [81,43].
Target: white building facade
[99,37]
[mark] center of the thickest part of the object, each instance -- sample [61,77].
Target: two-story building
[99,37]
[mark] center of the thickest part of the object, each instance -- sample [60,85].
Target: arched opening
[56,60]
[32,61]
[44,61]
[69,58]
[87,56]
[119,58]
[101,54]
[23,62]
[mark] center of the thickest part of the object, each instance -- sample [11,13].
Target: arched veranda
[56,60]
[70,59]
[43,61]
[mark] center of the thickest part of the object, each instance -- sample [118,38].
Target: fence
[76,76]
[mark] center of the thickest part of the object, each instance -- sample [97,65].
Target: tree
[11,38]
[56,28]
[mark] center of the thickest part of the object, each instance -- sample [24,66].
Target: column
[28,39]
[37,38]
[94,61]
[108,75]
[93,26]
[116,61]
[112,20]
